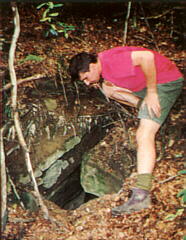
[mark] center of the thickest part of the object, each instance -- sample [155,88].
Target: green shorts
[168,93]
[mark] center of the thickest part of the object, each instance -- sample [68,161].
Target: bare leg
[146,153]
[146,157]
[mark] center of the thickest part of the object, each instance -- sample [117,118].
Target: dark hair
[80,63]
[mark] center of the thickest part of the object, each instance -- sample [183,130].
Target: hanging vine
[15,110]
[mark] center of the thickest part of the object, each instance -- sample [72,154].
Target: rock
[96,180]
[105,167]
[51,165]
[50,103]
[60,138]
[29,201]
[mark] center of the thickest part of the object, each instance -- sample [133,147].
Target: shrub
[49,16]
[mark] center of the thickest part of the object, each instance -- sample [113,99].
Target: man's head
[86,67]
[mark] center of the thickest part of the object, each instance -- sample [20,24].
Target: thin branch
[23,80]
[169,179]
[158,16]
[62,83]
[164,13]
[117,102]
[148,25]
[14,189]
[77,91]
[21,220]
[172,24]
[126,23]
[14,107]
[12,54]
[3,183]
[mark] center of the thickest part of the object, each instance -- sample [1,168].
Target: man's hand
[153,105]
[145,59]
[94,85]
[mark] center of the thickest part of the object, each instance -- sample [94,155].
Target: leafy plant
[171,217]
[49,17]
[7,110]
[181,194]
[32,57]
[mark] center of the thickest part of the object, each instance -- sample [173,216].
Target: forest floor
[94,33]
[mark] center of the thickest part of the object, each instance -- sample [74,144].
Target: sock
[144,181]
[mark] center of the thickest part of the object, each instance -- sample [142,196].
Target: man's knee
[142,135]
[146,131]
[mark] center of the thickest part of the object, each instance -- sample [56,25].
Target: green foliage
[32,57]
[171,217]
[54,26]
[182,172]
[180,211]
[183,195]
[7,111]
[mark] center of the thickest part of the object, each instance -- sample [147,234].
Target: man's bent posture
[141,78]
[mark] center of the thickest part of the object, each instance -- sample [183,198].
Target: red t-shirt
[117,68]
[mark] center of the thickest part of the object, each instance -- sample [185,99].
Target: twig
[3,183]
[14,107]
[62,83]
[19,81]
[172,24]
[118,113]
[123,124]
[126,23]
[121,108]
[158,16]
[164,13]
[117,102]
[169,179]
[147,23]
[77,91]
[22,220]
[149,40]
[14,189]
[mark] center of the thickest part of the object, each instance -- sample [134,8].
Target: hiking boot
[139,200]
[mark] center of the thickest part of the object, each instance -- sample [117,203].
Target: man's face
[92,76]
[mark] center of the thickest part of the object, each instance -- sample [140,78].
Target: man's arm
[122,95]
[145,59]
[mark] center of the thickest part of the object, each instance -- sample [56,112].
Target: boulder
[62,137]
[107,164]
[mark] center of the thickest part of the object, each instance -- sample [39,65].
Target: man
[141,78]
